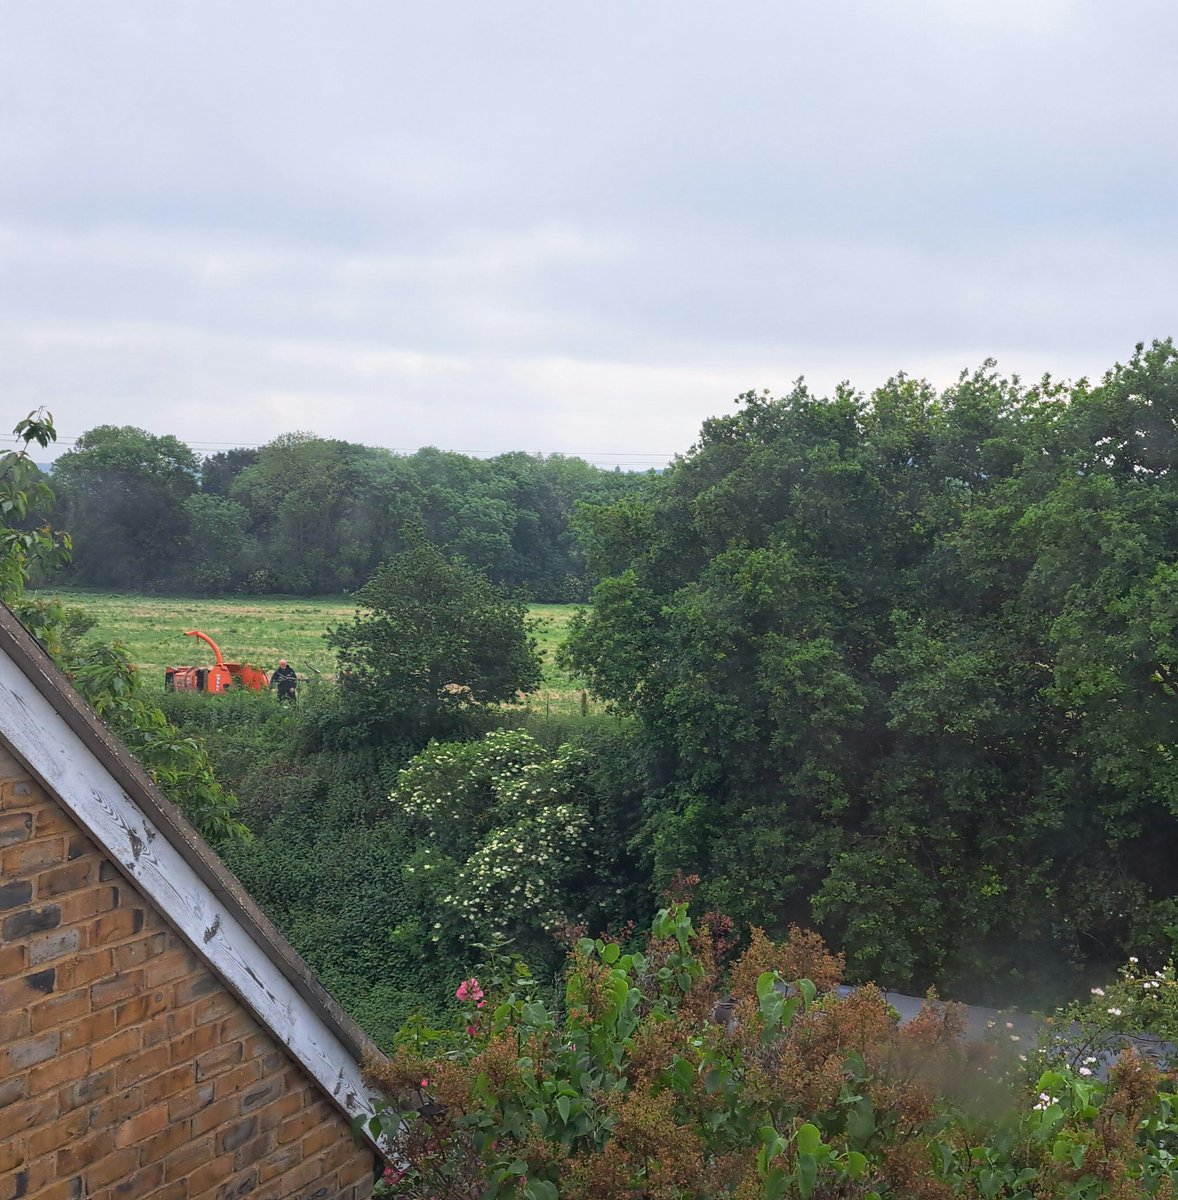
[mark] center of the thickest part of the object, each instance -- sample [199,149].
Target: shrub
[636,1089]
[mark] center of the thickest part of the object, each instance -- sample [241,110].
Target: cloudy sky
[567,227]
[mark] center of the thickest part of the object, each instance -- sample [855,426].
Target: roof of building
[48,725]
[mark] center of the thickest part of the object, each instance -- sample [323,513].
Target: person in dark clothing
[285,680]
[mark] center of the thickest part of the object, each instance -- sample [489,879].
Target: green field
[262,629]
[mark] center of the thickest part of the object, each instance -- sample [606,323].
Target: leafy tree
[314,508]
[123,492]
[103,674]
[905,663]
[26,499]
[433,640]
[217,559]
[219,471]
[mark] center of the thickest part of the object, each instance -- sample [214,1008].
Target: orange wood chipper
[219,678]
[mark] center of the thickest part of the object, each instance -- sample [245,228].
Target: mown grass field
[261,630]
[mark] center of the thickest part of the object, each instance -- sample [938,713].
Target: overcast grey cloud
[567,228]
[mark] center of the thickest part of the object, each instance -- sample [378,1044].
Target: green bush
[652,1080]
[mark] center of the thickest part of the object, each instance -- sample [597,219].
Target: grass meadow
[262,629]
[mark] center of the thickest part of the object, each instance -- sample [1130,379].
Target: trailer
[220,677]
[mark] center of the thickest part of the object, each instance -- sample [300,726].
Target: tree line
[305,515]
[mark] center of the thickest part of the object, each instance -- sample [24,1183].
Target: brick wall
[126,1069]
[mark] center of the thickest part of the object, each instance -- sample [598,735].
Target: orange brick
[170,1138]
[116,926]
[67,878]
[297,1126]
[171,1191]
[142,1125]
[86,968]
[238,1079]
[51,819]
[209,1174]
[194,1043]
[188,991]
[319,1139]
[136,1011]
[13,960]
[176,962]
[114,1110]
[215,1114]
[274,1114]
[61,1070]
[284,1159]
[50,1138]
[113,1167]
[130,1012]
[166,1026]
[358,1167]
[217,1060]
[30,857]
[292,1182]
[219,1005]
[77,1155]
[91,1028]
[81,906]
[168,1083]
[237,1026]
[121,1046]
[146,1063]
[35,1112]
[342,1150]
[60,1009]
[135,953]
[15,1025]
[93,1086]
[139,1183]
[191,1101]
[189,1155]
[12,1155]
[119,987]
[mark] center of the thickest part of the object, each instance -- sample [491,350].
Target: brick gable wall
[126,1069]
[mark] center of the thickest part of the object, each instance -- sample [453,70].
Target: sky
[559,228]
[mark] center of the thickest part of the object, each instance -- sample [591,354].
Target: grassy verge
[262,629]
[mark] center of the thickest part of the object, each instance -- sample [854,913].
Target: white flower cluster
[504,824]
[516,874]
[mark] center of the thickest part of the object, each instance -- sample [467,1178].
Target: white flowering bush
[1138,1009]
[503,827]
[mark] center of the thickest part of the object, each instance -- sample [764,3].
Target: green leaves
[433,639]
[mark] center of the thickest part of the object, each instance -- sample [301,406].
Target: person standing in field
[285,679]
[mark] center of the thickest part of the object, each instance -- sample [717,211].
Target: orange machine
[219,678]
